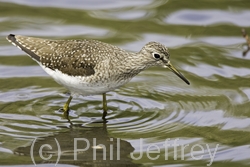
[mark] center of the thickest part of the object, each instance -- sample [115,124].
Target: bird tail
[20,42]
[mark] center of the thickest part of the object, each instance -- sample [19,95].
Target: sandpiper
[89,67]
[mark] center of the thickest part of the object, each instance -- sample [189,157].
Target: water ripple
[208,17]
[25,71]
[78,4]
[49,30]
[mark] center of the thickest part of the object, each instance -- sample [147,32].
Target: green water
[156,119]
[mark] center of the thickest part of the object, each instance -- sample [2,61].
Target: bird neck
[133,64]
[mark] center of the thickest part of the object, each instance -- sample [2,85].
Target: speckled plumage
[90,67]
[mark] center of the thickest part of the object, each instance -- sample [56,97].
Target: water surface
[209,120]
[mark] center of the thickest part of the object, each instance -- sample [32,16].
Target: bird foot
[104,114]
[65,112]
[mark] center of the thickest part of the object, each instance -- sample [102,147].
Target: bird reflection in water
[83,146]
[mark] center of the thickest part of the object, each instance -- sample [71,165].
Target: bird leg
[66,107]
[105,108]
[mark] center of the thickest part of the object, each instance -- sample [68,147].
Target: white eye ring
[156,56]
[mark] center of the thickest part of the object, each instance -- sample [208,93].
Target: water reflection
[92,145]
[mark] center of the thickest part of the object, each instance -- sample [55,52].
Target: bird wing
[72,57]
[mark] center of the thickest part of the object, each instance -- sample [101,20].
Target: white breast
[79,85]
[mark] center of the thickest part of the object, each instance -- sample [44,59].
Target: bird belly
[81,85]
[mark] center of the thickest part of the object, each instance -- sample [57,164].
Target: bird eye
[156,56]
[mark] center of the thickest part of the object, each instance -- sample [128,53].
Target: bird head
[157,54]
